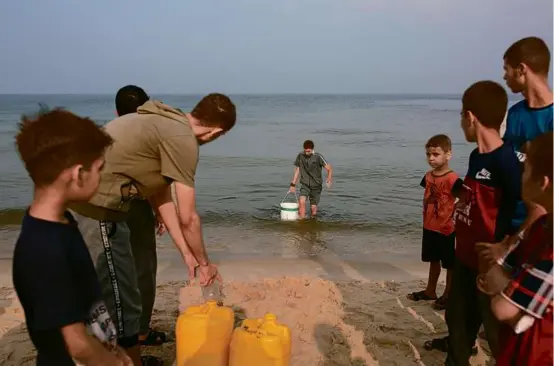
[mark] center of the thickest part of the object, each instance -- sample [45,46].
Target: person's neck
[195,125]
[441,170]
[488,140]
[538,94]
[48,206]
[547,204]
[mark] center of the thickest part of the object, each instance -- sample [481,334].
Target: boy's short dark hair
[488,101]
[216,110]
[129,98]
[308,144]
[55,140]
[441,141]
[539,155]
[531,51]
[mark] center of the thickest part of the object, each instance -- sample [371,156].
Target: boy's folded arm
[84,348]
[505,311]
[510,180]
[526,294]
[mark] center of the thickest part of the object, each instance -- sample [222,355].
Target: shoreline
[340,312]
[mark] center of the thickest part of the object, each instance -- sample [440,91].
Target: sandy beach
[339,312]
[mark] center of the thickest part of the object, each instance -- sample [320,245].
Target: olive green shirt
[151,149]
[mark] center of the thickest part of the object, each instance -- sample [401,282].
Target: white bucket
[289,211]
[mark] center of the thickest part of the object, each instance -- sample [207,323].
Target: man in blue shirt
[526,67]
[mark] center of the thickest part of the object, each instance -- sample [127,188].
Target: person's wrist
[292,184]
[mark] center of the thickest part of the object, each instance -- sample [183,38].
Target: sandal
[154,338]
[440,303]
[441,344]
[420,295]
[151,361]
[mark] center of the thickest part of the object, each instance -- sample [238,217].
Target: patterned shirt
[531,290]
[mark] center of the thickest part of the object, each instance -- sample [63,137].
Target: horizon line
[246,94]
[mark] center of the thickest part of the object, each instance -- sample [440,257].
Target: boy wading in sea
[438,240]
[487,206]
[308,167]
[53,272]
[520,284]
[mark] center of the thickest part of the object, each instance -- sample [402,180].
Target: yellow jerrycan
[203,334]
[261,342]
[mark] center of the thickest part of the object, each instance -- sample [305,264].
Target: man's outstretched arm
[164,206]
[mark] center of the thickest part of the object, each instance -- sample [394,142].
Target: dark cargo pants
[467,310]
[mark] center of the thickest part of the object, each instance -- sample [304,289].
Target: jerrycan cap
[211,303]
[269,317]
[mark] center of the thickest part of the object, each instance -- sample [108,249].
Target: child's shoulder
[42,236]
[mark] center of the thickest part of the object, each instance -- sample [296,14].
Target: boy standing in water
[521,283]
[438,241]
[53,273]
[487,206]
[308,167]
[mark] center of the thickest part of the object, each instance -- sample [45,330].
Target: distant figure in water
[309,165]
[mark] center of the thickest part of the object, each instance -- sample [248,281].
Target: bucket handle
[286,195]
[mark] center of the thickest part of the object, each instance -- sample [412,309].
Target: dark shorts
[437,247]
[313,194]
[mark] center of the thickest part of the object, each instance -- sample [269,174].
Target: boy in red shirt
[438,225]
[521,283]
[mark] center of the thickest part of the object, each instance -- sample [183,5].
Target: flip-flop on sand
[420,295]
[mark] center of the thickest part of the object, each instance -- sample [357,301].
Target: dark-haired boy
[438,239]
[526,68]
[53,273]
[487,206]
[521,283]
[142,231]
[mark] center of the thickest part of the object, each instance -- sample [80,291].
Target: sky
[261,46]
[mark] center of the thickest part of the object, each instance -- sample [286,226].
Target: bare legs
[302,209]
[434,273]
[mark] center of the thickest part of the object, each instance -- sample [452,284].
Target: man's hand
[192,265]
[328,183]
[292,189]
[208,274]
[160,227]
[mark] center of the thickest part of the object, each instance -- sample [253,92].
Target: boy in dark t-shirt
[53,273]
[487,205]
